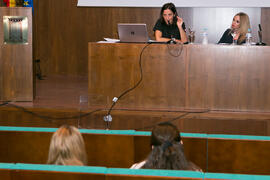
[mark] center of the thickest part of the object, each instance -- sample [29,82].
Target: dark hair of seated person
[167,150]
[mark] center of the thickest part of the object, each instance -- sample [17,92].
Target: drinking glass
[234,39]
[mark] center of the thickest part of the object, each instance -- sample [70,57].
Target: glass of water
[234,38]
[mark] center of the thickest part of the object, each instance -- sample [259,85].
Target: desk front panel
[175,77]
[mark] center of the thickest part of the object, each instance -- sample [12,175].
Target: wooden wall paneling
[195,150]
[109,150]
[24,147]
[5,174]
[238,156]
[16,62]
[41,44]
[141,177]
[226,123]
[128,119]
[14,117]
[142,147]
[55,175]
[265,14]
[2,64]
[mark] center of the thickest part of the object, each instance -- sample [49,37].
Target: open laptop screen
[132,32]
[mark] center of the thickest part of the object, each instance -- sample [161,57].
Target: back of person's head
[164,132]
[169,6]
[244,25]
[67,147]
[167,152]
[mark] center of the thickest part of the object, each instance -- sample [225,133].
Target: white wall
[178,3]
[217,20]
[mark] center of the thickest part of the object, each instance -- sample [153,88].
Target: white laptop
[133,32]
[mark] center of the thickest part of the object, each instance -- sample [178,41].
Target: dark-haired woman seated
[167,151]
[170,26]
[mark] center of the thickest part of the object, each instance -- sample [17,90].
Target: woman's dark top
[168,31]
[227,38]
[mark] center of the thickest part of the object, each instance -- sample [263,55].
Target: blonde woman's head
[243,25]
[67,147]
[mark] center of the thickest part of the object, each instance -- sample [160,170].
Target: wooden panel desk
[114,68]
[228,77]
[175,77]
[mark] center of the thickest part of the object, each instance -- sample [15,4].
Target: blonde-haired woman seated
[67,147]
[238,30]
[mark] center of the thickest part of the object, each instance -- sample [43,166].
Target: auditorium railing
[55,172]
[213,153]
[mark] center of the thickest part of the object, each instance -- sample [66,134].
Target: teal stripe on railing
[34,129]
[236,137]
[139,133]
[97,131]
[151,172]
[143,133]
[193,135]
[46,167]
[7,166]
[90,131]
[235,176]
[187,135]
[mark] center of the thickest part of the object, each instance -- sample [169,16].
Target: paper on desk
[112,40]
[106,42]
[109,40]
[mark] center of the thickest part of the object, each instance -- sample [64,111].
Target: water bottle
[248,37]
[204,36]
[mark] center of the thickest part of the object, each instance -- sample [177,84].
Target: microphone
[172,40]
[260,33]
[260,43]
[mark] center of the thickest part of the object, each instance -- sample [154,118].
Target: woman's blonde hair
[67,147]
[244,26]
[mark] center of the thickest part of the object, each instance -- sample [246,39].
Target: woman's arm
[158,36]
[183,34]
[226,38]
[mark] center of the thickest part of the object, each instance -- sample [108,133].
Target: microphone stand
[260,43]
